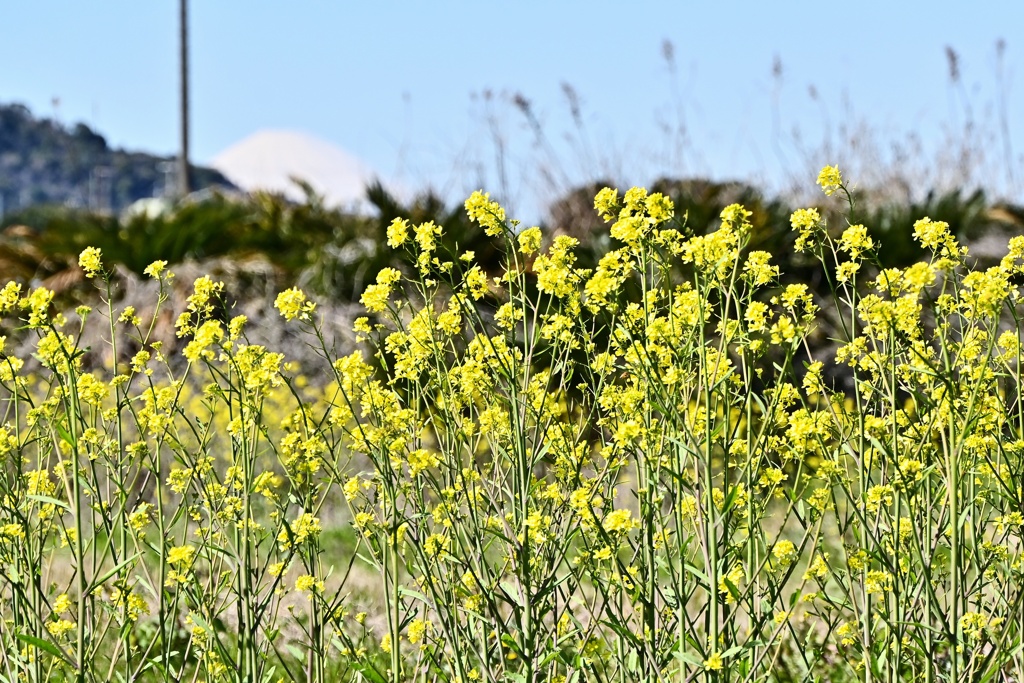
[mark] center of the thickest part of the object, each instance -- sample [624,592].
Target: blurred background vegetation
[335,253]
[60,208]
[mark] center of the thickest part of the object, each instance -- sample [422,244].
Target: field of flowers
[643,471]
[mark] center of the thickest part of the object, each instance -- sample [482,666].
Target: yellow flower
[847,633]
[818,569]
[878,582]
[155,269]
[855,241]
[89,261]
[91,390]
[136,606]
[60,627]
[735,217]
[62,604]
[830,179]
[398,232]
[507,316]
[292,304]
[757,316]
[422,459]
[38,305]
[813,381]
[783,331]
[418,629]
[140,518]
[209,334]
[426,236]
[630,229]
[881,494]
[236,326]
[846,270]
[935,235]
[476,282]
[714,662]
[10,295]
[488,214]
[659,208]
[435,544]
[306,526]
[351,488]
[308,583]
[529,240]
[555,274]
[771,477]
[375,298]
[619,520]
[758,269]
[361,326]
[182,555]
[972,624]
[635,199]
[785,552]
[128,316]
[607,203]
[806,222]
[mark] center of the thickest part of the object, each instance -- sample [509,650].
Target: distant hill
[45,162]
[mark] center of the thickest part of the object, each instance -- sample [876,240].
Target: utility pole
[183,186]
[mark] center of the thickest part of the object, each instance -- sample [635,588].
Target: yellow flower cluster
[666,466]
[292,303]
[487,213]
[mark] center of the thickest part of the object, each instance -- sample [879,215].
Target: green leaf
[45,646]
[50,501]
[65,435]
[733,590]
[369,672]
[733,650]
[623,632]
[200,622]
[103,579]
[513,593]
[511,644]
[413,594]
[689,658]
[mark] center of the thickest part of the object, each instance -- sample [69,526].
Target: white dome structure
[269,159]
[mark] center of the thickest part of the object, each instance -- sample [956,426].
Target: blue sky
[401,85]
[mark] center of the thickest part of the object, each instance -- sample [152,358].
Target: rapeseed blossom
[375,298]
[855,241]
[155,269]
[618,521]
[607,203]
[89,261]
[665,426]
[830,179]
[529,241]
[292,303]
[489,214]
[398,232]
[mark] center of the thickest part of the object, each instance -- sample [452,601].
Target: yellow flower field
[643,471]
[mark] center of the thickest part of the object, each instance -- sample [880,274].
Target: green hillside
[44,162]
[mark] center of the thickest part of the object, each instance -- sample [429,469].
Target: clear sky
[403,85]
